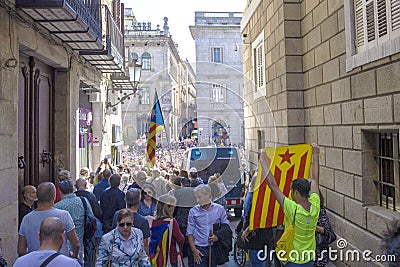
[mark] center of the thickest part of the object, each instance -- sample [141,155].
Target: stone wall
[8,137]
[16,39]
[338,109]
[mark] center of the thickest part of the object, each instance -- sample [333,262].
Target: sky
[180,15]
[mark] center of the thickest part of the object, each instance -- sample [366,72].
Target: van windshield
[224,161]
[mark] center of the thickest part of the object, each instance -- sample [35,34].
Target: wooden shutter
[381,17]
[260,66]
[395,14]
[370,21]
[359,22]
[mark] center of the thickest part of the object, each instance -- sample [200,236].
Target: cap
[193,169]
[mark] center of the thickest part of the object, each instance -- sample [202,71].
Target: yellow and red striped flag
[156,125]
[159,247]
[288,163]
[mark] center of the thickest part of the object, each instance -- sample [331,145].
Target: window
[260,139]
[388,177]
[259,66]
[216,55]
[134,56]
[218,93]
[144,96]
[372,30]
[173,68]
[143,125]
[146,61]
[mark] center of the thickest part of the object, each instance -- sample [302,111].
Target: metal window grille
[388,176]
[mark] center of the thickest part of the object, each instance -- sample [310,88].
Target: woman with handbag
[164,215]
[324,236]
[122,246]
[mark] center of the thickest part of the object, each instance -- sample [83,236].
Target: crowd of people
[134,206]
[129,202]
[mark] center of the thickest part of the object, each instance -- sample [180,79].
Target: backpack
[90,224]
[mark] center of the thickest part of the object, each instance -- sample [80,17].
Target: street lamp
[125,83]
[135,71]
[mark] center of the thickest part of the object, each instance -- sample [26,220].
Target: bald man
[29,196]
[51,237]
[30,225]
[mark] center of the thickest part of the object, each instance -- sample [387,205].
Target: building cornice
[248,13]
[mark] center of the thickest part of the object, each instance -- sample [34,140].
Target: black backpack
[90,224]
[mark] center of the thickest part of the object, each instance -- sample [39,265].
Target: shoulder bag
[285,244]
[109,262]
[49,259]
[323,240]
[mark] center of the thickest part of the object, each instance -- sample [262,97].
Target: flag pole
[168,138]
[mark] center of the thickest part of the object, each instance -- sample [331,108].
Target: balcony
[109,60]
[75,22]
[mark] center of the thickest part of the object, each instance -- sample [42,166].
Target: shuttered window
[395,14]
[376,21]
[259,66]
[259,58]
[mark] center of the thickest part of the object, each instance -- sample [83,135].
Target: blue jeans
[204,259]
[255,261]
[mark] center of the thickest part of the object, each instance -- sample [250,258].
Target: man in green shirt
[303,208]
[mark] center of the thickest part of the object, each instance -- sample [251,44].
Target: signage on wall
[85,116]
[96,141]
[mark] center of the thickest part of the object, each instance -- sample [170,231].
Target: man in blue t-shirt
[30,225]
[52,236]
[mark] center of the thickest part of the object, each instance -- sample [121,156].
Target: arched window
[146,61]
[134,56]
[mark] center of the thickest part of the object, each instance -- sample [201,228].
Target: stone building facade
[53,85]
[163,71]
[317,73]
[219,77]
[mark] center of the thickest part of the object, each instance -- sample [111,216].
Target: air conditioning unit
[94,97]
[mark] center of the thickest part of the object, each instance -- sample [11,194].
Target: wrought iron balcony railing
[76,22]
[111,59]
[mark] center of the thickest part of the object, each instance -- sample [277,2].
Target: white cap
[193,169]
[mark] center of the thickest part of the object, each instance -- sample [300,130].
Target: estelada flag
[156,125]
[287,164]
[158,246]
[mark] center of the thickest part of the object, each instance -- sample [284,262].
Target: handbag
[323,240]
[109,262]
[243,244]
[285,244]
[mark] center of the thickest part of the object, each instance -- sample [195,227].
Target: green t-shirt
[306,221]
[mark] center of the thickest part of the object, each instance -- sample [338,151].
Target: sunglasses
[125,224]
[147,193]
